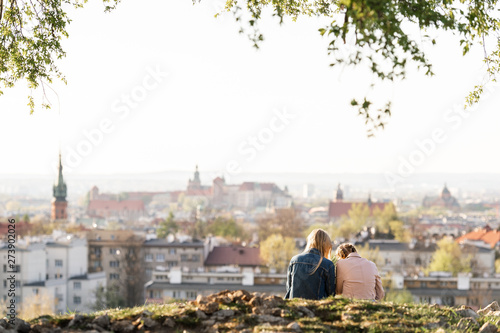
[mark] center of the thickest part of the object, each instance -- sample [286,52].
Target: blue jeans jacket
[300,283]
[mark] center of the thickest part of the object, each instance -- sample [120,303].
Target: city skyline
[196,92]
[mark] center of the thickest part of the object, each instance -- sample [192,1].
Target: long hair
[318,239]
[344,250]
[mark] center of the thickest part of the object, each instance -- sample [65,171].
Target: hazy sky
[166,86]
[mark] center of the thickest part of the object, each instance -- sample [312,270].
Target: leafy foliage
[30,41]
[402,296]
[277,251]
[449,258]
[286,222]
[227,228]
[168,226]
[378,35]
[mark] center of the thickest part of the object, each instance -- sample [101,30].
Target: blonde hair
[318,239]
[344,250]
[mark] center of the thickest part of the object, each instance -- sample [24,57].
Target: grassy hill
[240,311]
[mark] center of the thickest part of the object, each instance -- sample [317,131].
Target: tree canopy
[388,37]
[381,35]
[30,41]
[449,258]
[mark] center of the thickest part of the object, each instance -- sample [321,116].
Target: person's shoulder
[327,263]
[297,257]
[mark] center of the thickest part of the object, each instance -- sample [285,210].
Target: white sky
[220,90]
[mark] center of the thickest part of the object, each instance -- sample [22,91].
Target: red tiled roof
[491,237]
[116,205]
[234,255]
[340,208]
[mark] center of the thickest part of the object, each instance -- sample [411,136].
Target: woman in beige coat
[357,277]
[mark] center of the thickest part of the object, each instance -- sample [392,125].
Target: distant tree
[227,228]
[198,229]
[402,296]
[449,258]
[400,233]
[384,217]
[371,254]
[36,305]
[167,226]
[359,214]
[133,267]
[329,228]
[107,298]
[26,218]
[286,222]
[276,251]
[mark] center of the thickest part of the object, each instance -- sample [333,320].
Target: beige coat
[358,278]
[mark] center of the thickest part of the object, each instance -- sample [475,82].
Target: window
[387,261]
[160,257]
[195,257]
[114,251]
[114,276]
[5,283]
[77,285]
[149,257]
[114,263]
[35,291]
[96,263]
[171,251]
[59,263]
[184,257]
[4,268]
[77,300]
[149,272]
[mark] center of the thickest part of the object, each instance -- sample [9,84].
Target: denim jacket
[300,283]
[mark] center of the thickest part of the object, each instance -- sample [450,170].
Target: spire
[445,194]
[196,174]
[369,200]
[340,194]
[59,188]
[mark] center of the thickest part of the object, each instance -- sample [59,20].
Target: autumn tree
[449,258]
[227,228]
[286,222]
[276,251]
[167,226]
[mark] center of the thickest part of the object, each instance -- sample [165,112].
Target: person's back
[310,274]
[357,277]
[302,284]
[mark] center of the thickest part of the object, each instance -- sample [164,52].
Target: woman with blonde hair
[311,274]
[357,277]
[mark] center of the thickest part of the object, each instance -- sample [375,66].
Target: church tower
[339,196]
[195,184]
[59,203]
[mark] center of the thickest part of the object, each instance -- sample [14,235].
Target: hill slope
[240,311]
